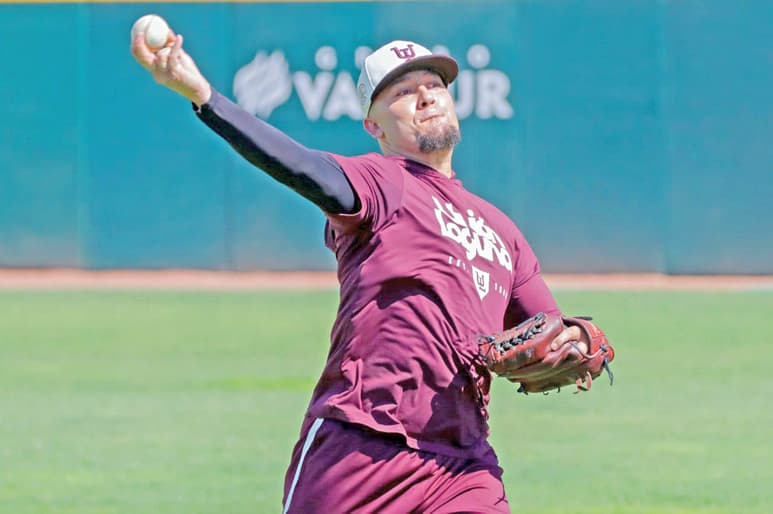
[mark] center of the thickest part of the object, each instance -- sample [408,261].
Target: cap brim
[443,65]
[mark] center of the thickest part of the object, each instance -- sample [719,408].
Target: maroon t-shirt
[424,267]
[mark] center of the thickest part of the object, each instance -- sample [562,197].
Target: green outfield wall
[620,135]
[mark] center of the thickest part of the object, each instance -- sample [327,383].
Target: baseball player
[398,420]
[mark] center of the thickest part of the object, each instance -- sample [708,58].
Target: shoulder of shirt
[374,160]
[492,211]
[379,158]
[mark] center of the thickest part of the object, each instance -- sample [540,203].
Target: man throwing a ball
[398,420]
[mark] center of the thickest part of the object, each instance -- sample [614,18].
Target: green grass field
[171,402]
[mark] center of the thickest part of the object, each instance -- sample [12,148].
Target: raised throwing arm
[312,173]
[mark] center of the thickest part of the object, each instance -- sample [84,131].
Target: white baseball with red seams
[156,30]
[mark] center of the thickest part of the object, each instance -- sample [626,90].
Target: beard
[443,139]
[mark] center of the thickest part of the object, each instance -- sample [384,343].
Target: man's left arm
[530,294]
[528,298]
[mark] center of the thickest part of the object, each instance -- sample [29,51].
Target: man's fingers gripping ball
[162,59]
[141,52]
[175,54]
[149,35]
[156,30]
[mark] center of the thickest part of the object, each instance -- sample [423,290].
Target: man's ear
[372,128]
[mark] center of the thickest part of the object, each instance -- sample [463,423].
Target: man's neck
[439,160]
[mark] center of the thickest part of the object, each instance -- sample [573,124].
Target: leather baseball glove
[523,354]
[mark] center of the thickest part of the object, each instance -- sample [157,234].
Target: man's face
[414,113]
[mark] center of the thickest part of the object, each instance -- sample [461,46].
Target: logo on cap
[404,53]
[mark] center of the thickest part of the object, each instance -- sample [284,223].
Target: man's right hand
[174,68]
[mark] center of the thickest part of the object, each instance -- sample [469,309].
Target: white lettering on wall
[267,82]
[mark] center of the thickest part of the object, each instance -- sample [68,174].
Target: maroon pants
[340,468]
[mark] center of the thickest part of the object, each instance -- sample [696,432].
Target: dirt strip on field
[74,279]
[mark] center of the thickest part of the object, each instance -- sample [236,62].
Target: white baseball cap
[392,60]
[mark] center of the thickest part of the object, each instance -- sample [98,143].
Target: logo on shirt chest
[472,234]
[476,238]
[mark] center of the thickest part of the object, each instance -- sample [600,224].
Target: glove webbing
[534,328]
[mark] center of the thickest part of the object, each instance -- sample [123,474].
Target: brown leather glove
[523,354]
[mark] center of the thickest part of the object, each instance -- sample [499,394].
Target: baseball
[155,28]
